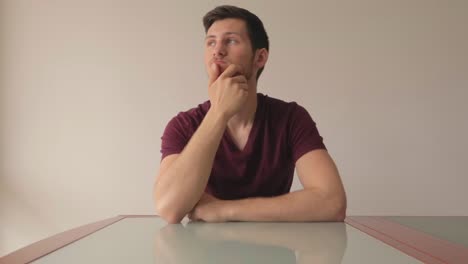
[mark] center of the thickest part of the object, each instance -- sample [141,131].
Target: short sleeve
[175,137]
[303,133]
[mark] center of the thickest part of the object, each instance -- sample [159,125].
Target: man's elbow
[169,215]
[172,218]
[340,211]
[167,210]
[340,216]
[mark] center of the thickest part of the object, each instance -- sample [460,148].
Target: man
[233,157]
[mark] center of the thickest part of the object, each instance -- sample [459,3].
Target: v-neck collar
[252,134]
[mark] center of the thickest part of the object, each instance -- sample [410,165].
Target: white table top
[150,240]
[361,239]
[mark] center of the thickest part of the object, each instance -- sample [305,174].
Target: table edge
[415,243]
[428,249]
[50,244]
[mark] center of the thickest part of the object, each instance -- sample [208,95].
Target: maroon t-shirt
[281,133]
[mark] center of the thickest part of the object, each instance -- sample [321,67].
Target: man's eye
[210,43]
[232,41]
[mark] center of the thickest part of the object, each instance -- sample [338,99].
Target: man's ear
[261,57]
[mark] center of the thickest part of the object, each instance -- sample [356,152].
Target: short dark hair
[256,31]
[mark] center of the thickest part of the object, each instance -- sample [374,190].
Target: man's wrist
[218,116]
[229,210]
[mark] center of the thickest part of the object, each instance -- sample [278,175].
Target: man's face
[227,42]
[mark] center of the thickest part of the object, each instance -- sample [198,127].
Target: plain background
[87,87]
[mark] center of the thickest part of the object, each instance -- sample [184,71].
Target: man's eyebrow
[226,33]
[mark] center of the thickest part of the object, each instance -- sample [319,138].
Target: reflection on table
[198,242]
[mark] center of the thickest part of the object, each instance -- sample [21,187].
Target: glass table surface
[151,240]
[450,228]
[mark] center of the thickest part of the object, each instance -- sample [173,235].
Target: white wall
[87,87]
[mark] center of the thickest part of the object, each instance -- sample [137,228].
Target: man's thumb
[213,73]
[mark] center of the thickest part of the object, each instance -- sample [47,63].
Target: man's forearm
[179,188]
[303,205]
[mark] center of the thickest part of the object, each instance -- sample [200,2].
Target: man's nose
[219,50]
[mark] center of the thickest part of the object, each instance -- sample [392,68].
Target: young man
[233,157]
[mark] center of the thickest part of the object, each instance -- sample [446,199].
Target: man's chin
[222,68]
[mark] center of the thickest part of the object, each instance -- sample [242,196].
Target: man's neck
[245,118]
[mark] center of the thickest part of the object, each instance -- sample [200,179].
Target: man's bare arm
[183,177]
[299,206]
[322,199]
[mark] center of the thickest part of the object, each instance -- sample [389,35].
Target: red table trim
[50,244]
[422,246]
[419,245]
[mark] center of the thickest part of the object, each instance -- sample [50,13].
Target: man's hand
[209,209]
[228,90]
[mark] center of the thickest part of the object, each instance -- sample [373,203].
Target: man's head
[235,35]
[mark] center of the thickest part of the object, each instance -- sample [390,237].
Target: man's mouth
[222,65]
[220,62]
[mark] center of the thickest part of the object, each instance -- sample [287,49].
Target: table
[360,239]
